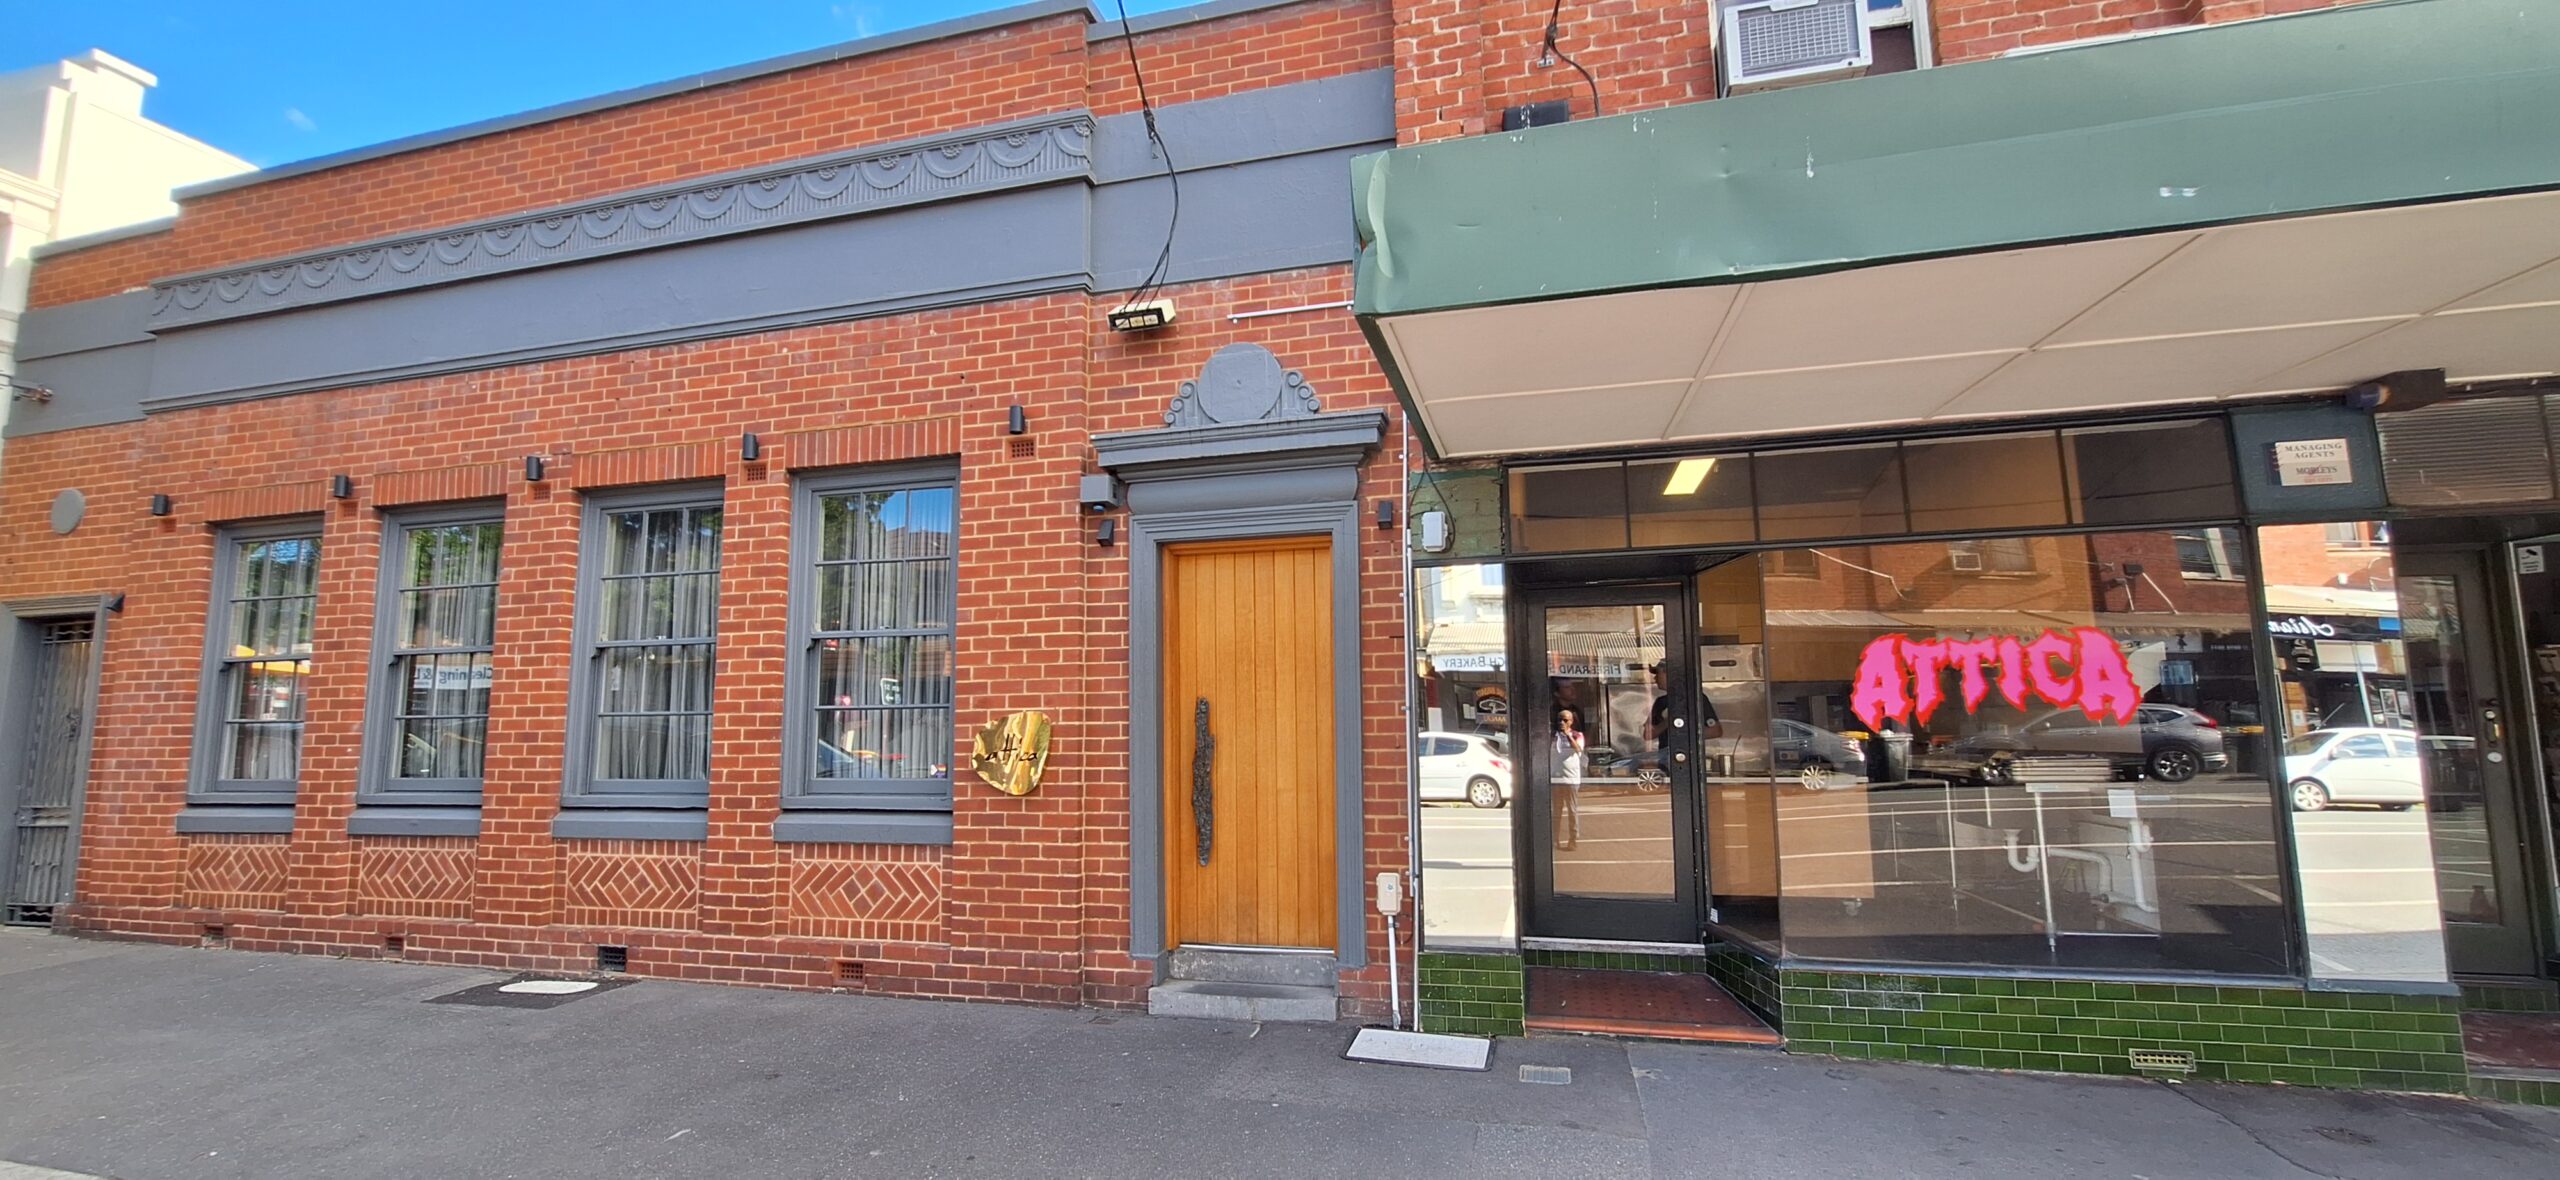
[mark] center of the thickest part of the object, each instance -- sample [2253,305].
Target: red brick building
[594,537]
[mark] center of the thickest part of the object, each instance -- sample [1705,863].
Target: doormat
[530,991]
[1389,1046]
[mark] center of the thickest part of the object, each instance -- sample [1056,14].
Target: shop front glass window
[2058,767]
[2361,752]
[1463,757]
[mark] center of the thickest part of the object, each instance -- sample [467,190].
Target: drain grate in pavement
[1547,1075]
[530,991]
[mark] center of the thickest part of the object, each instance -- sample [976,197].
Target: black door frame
[1544,915]
[2514,948]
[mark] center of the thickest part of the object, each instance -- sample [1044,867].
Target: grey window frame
[887,811]
[579,791]
[205,784]
[377,785]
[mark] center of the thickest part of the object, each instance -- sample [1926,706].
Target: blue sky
[274,81]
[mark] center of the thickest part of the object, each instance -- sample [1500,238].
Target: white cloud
[856,15]
[300,121]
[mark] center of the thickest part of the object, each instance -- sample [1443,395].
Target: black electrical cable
[1156,275]
[1549,48]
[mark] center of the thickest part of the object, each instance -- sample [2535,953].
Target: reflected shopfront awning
[2278,206]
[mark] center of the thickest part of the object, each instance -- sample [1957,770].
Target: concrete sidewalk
[140,1061]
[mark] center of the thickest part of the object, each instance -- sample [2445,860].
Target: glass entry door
[1608,753]
[2467,730]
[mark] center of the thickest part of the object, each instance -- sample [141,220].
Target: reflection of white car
[2354,765]
[1475,767]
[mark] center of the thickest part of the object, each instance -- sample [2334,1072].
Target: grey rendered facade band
[1262,191]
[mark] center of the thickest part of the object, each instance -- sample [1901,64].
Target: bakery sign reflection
[1904,679]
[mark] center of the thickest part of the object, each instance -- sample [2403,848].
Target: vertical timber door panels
[1248,659]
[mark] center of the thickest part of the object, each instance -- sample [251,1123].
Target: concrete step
[1288,968]
[1266,1002]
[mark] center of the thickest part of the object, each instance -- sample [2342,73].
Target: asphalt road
[141,1062]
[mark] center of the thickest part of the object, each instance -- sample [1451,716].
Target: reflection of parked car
[2170,743]
[1794,745]
[1475,767]
[2354,765]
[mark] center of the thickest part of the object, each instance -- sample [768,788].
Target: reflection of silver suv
[1797,745]
[2170,743]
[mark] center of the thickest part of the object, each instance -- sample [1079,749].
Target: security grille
[39,851]
[2492,450]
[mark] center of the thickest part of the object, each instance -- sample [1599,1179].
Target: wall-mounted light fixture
[160,504]
[533,469]
[115,603]
[342,487]
[1015,420]
[23,392]
[1386,515]
[750,448]
[1106,532]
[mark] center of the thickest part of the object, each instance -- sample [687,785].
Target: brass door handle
[1204,754]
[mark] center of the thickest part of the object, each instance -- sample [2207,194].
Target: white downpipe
[1395,990]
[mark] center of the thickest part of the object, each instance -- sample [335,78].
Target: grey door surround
[1245,452]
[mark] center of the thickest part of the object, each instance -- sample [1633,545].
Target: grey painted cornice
[983,160]
[1280,444]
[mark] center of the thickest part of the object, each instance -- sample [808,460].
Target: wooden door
[1248,628]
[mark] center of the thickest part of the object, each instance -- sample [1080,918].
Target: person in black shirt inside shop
[1658,727]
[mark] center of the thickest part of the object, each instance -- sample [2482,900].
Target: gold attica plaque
[1011,752]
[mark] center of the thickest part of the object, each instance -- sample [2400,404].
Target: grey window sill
[863,827]
[394,820]
[262,819]
[632,823]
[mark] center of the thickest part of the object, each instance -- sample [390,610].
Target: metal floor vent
[2162,1061]
[530,991]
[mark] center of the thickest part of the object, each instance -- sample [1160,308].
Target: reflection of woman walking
[1567,806]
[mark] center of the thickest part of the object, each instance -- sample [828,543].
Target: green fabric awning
[2375,106]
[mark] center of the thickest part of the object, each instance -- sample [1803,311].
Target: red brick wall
[1460,62]
[1968,30]
[1031,900]
[1319,39]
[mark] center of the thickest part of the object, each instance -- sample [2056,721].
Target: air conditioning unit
[1766,44]
[1965,561]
